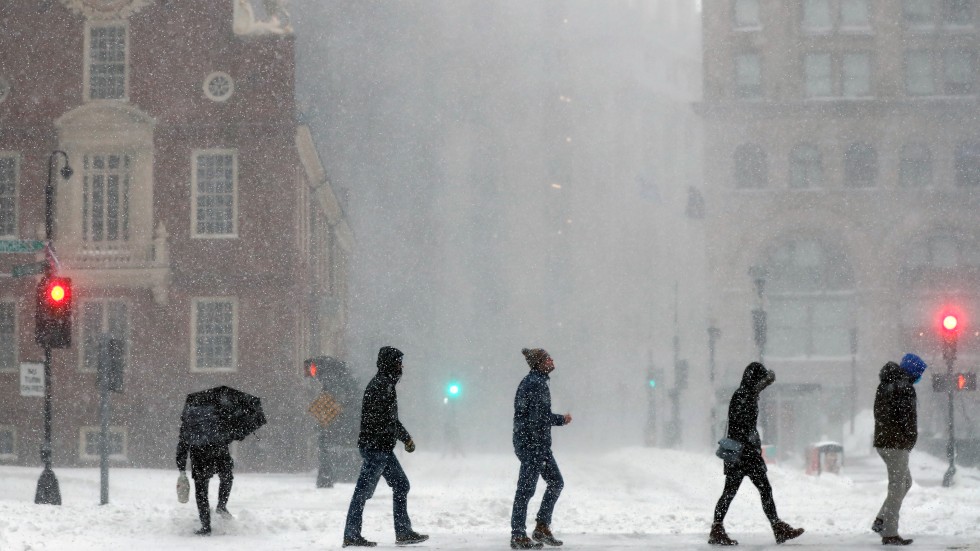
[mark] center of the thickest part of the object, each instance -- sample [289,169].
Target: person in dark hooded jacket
[380,429]
[896,431]
[743,416]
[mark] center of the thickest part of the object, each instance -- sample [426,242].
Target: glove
[183,488]
[410,445]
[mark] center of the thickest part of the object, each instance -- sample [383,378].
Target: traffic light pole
[949,354]
[48,492]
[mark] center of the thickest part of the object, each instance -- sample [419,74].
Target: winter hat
[535,356]
[388,356]
[913,365]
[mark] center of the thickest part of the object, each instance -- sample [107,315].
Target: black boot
[878,525]
[895,540]
[358,541]
[718,536]
[524,542]
[203,531]
[409,538]
[785,532]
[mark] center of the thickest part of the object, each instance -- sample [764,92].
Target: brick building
[842,164]
[198,225]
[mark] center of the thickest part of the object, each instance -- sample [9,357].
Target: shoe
[718,536]
[409,538]
[895,540]
[358,541]
[878,525]
[543,534]
[524,542]
[785,532]
[223,513]
[203,531]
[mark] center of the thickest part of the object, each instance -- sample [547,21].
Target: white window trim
[16,367]
[9,456]
[234,211]
[234,335]
[86,432]
[79,321]
[86,52]
[17,161]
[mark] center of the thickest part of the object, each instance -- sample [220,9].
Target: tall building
[198,225]
[842,165]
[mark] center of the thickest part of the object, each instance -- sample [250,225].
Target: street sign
[325,409]
[20,246]
[31,379]
[33,268]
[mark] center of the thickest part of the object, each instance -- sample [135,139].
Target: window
[958,12]
[747,14]
[214,322]
[806,167]
[816,74]
[8,195]
[751,170]
[860,165]
[958,74]
[8,336]
[748,75]
[8,443]
[966,163]
[919,79]
[918,13]
[106,65]
[856,75]
[915,166]
[215,189]
[89,443]
[821,16]
[855,14]
[811,306]
[105,197]
[103,317]
[816,15]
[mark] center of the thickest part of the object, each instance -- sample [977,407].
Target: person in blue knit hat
[896,431]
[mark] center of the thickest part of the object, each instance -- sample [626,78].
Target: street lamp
[48,491]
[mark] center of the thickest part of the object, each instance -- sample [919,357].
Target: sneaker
[895,540]
[878,525]
[223,513]
[409,538]
[543,534]
[358,541]
[718,536]
[524,542]
[203,531]
[785,532]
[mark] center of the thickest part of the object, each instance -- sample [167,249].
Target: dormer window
[106,64]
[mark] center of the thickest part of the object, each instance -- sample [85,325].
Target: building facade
[842,167]
[198,225]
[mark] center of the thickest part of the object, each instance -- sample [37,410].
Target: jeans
[379,464]
[533,466]
[899,482]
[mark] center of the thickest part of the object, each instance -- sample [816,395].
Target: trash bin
[826,456]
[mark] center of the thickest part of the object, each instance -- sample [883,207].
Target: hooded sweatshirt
[896,422]
[380,427]
[743,416]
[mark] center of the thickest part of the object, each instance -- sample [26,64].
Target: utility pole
[713,335]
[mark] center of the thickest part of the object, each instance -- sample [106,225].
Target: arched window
[805,167]
[967,164]
[751,167]
[811,300]
[860,165]
[915,165]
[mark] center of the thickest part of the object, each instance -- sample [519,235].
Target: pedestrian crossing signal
[453,390]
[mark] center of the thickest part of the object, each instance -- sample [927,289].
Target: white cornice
[105,9]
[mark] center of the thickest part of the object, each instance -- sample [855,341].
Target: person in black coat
[380,429]
[533,420]
[743,416]
[207,461]
[896,431]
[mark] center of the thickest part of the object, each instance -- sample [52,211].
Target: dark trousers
[201,495]
[532,467]
[377,464]
[205,463]
[733,481]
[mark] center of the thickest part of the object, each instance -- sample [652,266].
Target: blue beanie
[914,366]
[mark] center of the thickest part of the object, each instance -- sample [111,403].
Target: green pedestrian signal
[453,390]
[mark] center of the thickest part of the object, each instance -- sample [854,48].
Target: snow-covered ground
[631,498]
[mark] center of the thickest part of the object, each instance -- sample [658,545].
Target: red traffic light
[57,292]
[311,370]
[960,381]
[950,322]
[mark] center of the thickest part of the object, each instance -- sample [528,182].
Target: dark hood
[891,372]
[388,360]
[756,377]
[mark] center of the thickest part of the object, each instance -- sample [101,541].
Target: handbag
[183,488]
[730,451]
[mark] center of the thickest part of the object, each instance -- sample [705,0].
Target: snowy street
[631,498]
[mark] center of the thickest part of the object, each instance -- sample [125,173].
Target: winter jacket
[205,460]
[743,416]
[380,427]
[896,422]
[533,418]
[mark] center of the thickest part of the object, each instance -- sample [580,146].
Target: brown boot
[543,534]
[524,542]
[785,532]
[718,536]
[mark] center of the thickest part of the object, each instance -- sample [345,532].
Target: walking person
[896,431]
[380,429]
[743,416]
[533,420]
[207,461]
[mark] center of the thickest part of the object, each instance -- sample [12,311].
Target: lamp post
[760,333]
[48,491]
[713,335]
[854,351]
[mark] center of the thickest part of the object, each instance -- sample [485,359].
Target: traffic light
[310,367]
[961,381]
[54,309]
[950,329]
[453,389]
[759,327]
